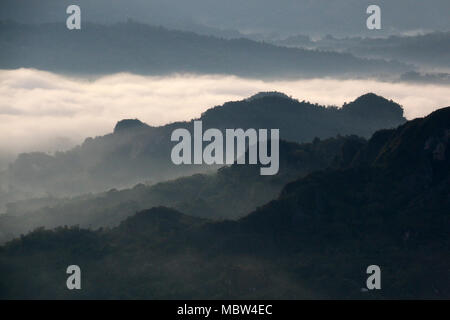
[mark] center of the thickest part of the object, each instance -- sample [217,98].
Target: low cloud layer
[42,111]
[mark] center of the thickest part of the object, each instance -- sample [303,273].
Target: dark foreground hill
[388,204]
[138,153]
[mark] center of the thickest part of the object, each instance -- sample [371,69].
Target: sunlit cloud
[42,111]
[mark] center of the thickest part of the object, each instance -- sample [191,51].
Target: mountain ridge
[119,160]
[51,46]
[229,193]
[314,241]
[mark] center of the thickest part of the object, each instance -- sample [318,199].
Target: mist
[43,111]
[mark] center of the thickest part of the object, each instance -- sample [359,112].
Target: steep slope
[389,206]
[386,177]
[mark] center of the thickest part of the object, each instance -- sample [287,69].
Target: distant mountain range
[385,202]
[430,50]
[138,153]
[144,49]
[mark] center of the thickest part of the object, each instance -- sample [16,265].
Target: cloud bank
[43,111]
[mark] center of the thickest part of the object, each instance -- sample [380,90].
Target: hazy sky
[339,17]
[45,111]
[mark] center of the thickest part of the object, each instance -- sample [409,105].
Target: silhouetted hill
[229,193]
[129,125]
[315,241]
[303,121]
[411,160]
[260,95]
[138,153]
[144,49]
[389,205]
[372,106]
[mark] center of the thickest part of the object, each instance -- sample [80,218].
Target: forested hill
[386,203]
[230,193]
[138,153]
[144,49]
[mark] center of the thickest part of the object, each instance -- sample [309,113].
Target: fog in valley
[42,111]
